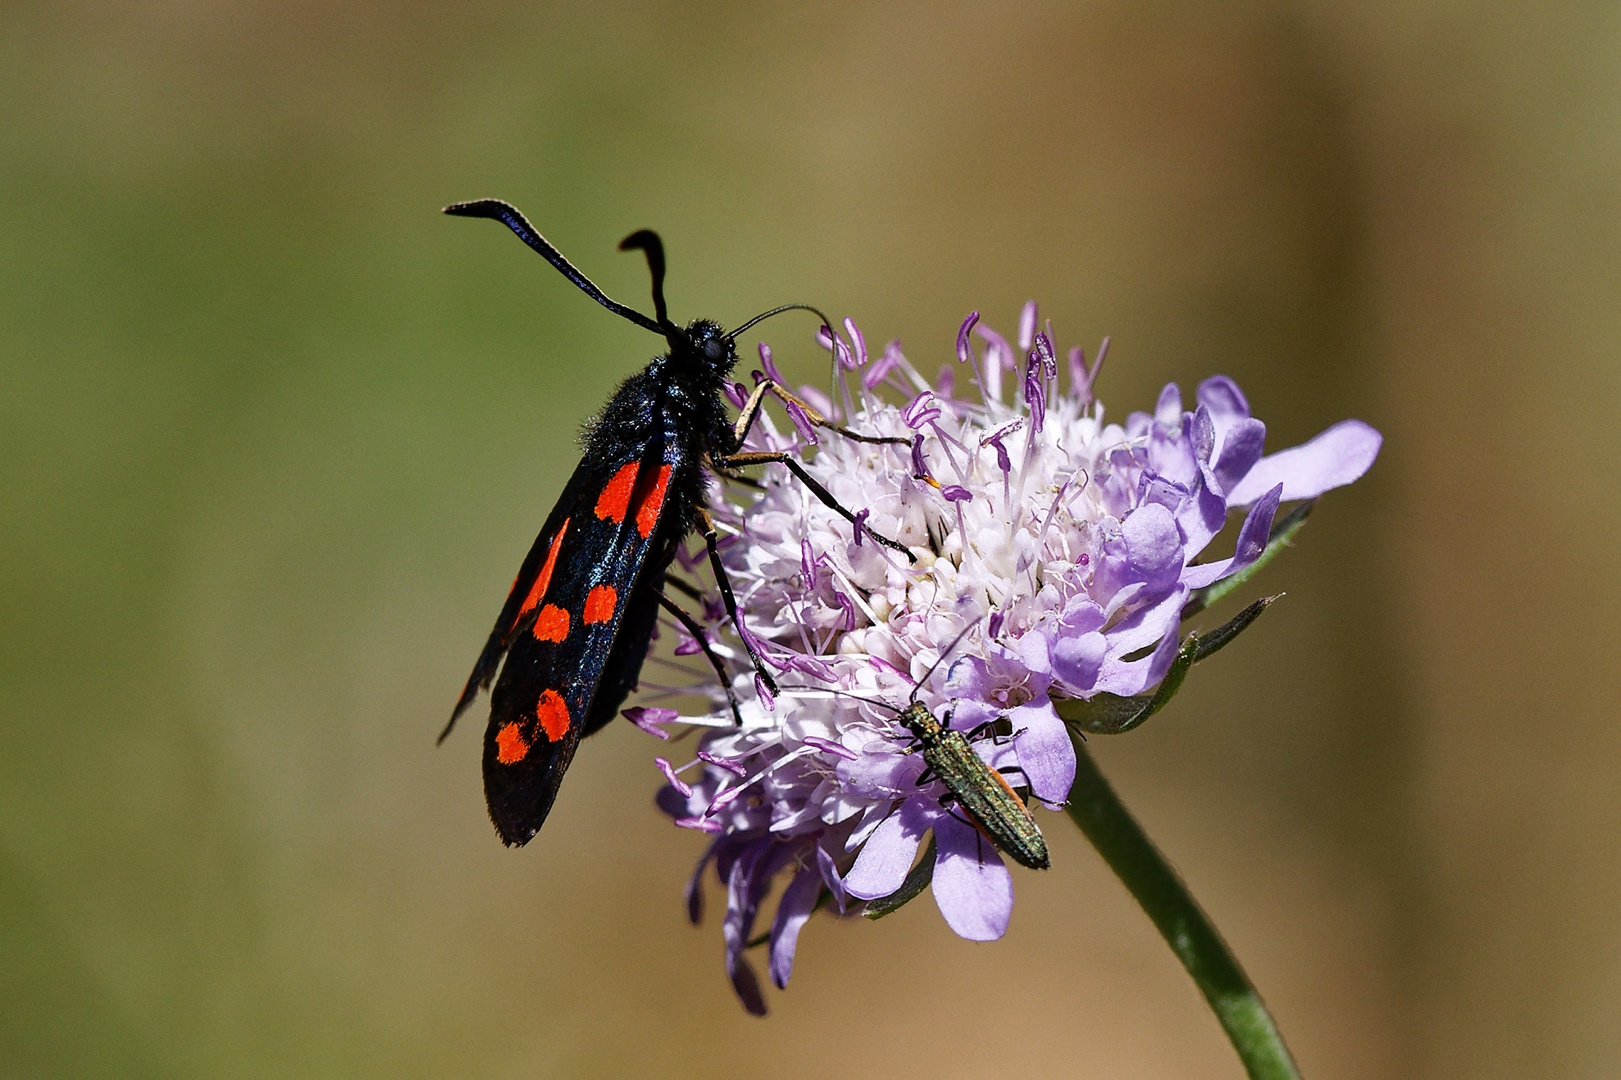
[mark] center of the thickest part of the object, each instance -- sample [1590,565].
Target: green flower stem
[1138,863]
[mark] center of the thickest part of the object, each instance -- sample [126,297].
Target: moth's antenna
[764,315]
[648,241]
[508,215]
[947,651]
[844,693]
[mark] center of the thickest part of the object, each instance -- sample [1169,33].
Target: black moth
[578,621]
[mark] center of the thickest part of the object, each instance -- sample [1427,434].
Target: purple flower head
[1064,568]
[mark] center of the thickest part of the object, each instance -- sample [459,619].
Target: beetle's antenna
[509,215]
[947,651]
[844,693]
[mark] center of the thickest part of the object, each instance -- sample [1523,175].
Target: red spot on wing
[600,603]
[552,712]
[615,498]
[551,624]
[650,501]
[537,592]
[510,745]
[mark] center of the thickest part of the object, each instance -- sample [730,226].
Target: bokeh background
[275,434]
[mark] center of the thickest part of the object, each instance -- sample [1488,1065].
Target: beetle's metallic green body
[994,808]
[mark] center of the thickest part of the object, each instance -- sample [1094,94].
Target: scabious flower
[1061,546]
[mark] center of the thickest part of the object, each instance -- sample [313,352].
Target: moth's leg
[712,541]
[751,412]
[685,587]
[697,633]
[767,457]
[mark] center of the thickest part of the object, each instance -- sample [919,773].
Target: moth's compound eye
[715,350]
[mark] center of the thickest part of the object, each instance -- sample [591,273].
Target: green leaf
[1110,714]
[1283,530]
[916,881]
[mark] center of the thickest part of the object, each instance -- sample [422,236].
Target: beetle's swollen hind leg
[697,633]
[783,457]
[712,542]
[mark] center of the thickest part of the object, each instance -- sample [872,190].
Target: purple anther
[763,692]
[849,608]
[723,763]
[1079,384]
[954,493]
[1035,393]
[920,467]
[994,625]
[857,340]
[688,645]
[802,422]
[831,747]
[1027,325]
[770,365]
[649,719]
[883,365]
[1085,559]
[722,801]
[701,824]
[1042,351]
[861,524]
[737,394]
[817,399]
[921,410]
[1003,462]
[675,781]
[807,565]
[758,376]
[963,353]
[827,339]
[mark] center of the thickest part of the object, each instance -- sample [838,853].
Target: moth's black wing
[557,660]
[529,587]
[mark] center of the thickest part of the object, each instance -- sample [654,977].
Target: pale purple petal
[1045,752]
[1153,545]
[829,872]
[793,910]
[1147,625]
[1076,660]
[1251,542]
[1169,409]
[1224,399]
[1334,458]
[887,856]
[1240,450]
[1129,678]
[971,885]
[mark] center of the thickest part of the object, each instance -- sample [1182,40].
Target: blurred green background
[276,434]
